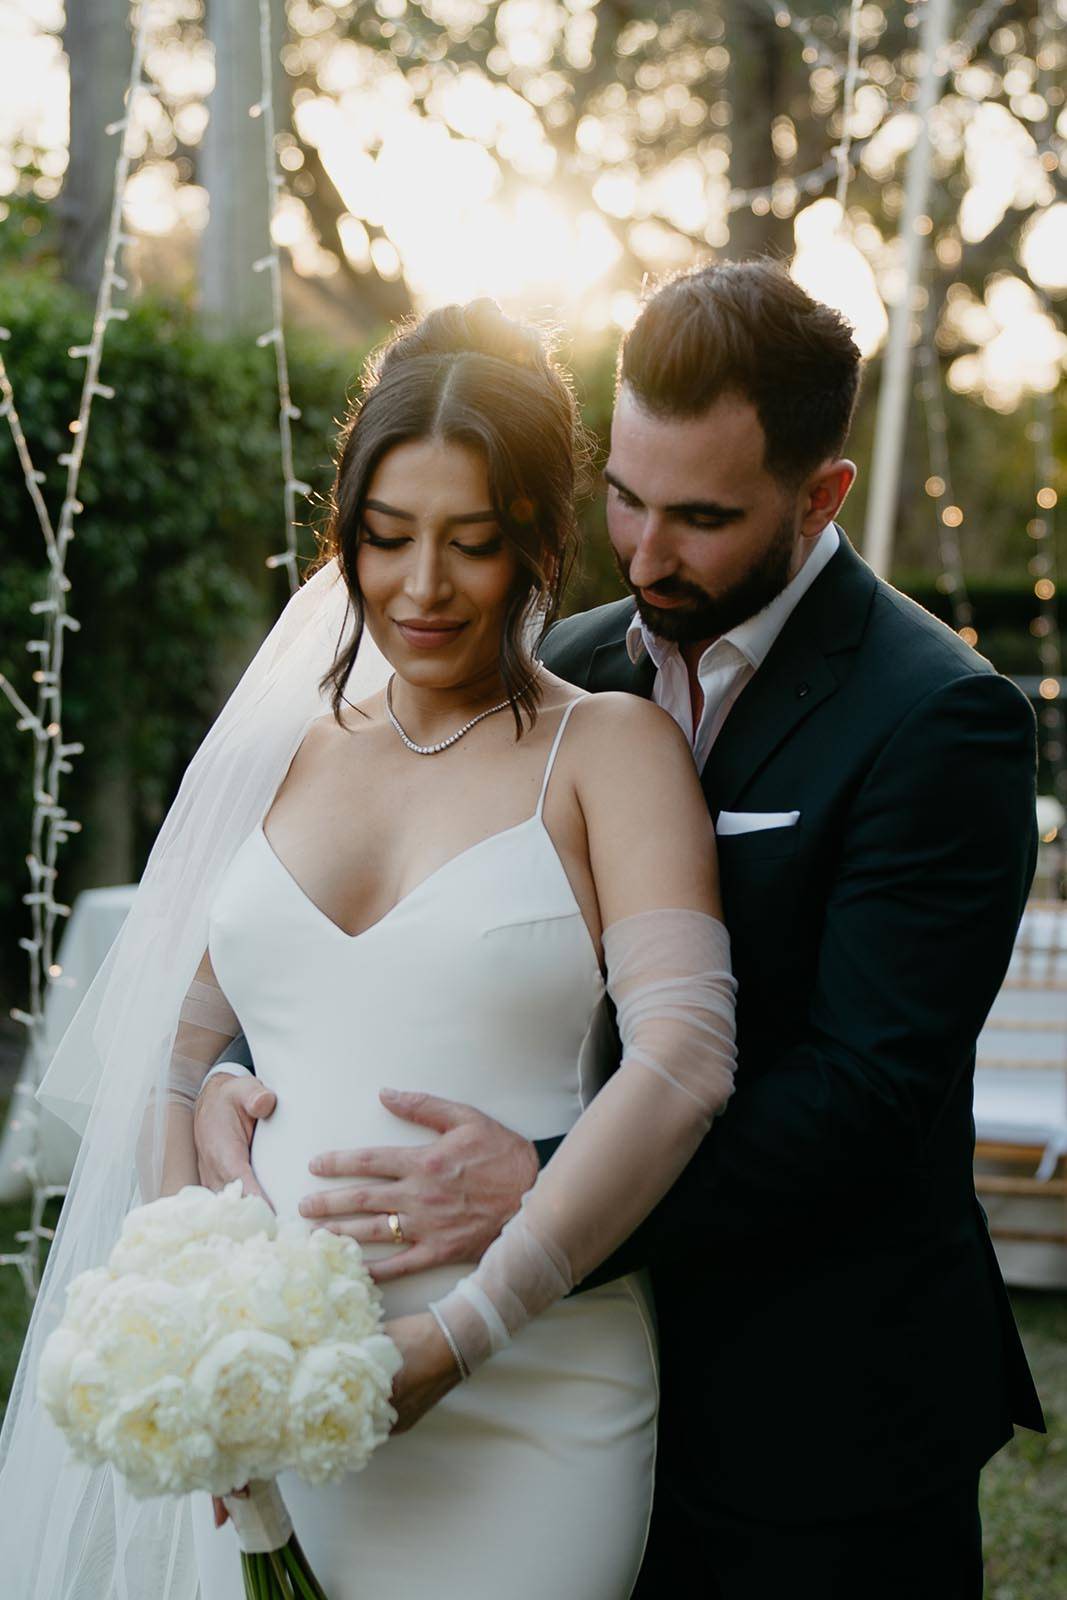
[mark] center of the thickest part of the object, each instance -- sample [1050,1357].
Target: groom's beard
[709,616]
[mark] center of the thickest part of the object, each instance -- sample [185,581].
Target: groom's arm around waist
[236,1059]
[934,866]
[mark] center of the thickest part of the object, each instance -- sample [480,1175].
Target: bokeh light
[830,267]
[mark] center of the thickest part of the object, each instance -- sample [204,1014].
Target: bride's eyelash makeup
[491,547]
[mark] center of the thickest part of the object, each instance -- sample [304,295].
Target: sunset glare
[451,178]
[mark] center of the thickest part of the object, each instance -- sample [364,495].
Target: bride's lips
[429,635]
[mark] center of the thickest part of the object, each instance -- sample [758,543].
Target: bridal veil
[70,1531]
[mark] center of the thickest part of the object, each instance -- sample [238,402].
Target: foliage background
[182,495]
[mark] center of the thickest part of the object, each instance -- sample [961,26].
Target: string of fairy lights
[948,513]
[1042,567]
[292,486]
[848,102]
[815,51]
[784,194]
[1041,527]
[50,824]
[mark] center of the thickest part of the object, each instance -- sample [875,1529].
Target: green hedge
[182,493]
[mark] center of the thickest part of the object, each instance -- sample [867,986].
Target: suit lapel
[798,675]
[773,703]
[611,668]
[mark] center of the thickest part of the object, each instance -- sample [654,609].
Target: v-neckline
[478,844]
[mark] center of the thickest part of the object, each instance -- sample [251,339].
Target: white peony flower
[356,1309]
[199,1261]
[339,1410]
[89,1398]
[149,1437]
[352,1295]
[166,1224]
[240,1387]
[147,1329]
[305,1289]
[53,1371]
[255,1293]
[86,1299]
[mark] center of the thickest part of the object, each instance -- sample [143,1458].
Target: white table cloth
[95,919]
[1020,1092]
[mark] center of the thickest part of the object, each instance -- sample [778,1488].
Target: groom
[838,1354]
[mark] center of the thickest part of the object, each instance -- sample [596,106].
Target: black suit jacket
[835,1333]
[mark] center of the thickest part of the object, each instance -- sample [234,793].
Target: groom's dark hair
[745,328]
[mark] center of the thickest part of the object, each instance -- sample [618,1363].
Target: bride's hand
[429,1369]
[218,1504]
[224,1121]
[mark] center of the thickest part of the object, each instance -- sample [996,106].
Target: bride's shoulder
[353,719]
[625,745]
[325,736]
[614,720]
[631,766]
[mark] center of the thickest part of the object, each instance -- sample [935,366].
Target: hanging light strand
[50,824]
[1042,569]
[815,52]
[960,51]
[1042,566]
[848,101]
[840,166]
[270,263]
[948,514]
[1045,626]
[33,479]
[784,194]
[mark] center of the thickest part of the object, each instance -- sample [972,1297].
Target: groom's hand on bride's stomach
[452,1196]
[227,1110]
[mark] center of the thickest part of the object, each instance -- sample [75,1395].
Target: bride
[439,882]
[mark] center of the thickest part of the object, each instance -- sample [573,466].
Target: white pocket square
[752,821]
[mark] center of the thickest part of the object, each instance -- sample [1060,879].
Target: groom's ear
[824,495]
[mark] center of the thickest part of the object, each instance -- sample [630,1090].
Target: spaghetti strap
[552,753]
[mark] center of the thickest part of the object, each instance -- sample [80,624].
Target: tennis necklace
[434,749]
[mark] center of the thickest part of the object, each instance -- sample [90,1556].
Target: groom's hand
[227,1109]
[452,1196]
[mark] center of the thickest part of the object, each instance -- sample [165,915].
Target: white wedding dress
[533,1480]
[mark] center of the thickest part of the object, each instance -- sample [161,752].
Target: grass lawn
[1024,1489]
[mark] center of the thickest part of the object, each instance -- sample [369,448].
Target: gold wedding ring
[394,1227]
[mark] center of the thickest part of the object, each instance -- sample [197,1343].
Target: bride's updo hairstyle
[469,375]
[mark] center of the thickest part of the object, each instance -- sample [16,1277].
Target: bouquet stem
[273,1565]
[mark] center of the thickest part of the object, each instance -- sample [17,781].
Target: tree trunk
[757,86]
[100,50]
[234,298]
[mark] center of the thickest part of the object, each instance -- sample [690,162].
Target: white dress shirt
[727,664]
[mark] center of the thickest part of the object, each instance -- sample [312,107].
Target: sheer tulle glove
[206,1024]
[669,976]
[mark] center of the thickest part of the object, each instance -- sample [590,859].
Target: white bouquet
[217,1348]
